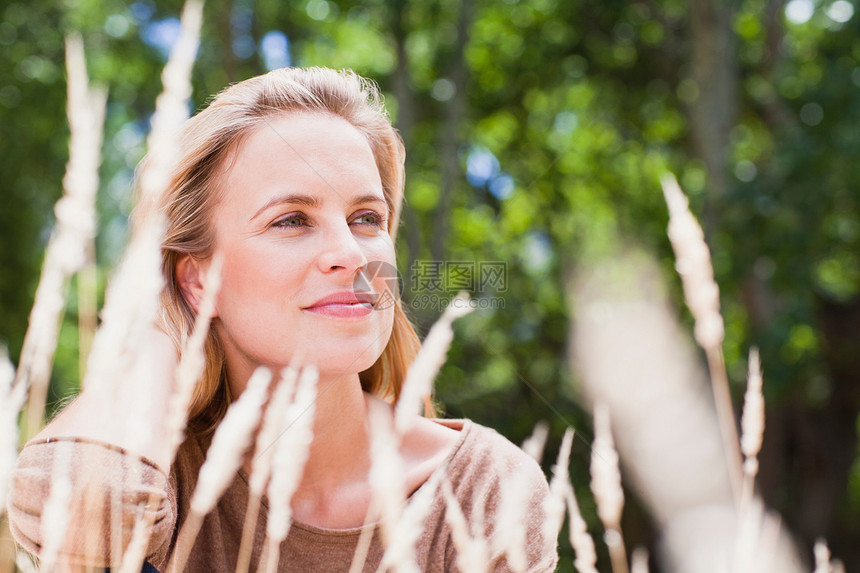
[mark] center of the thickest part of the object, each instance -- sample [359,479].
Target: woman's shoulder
[471,456]
[496,483]
[480,443]
[484,456]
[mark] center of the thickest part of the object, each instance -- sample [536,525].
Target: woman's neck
[340,451]
[334,491]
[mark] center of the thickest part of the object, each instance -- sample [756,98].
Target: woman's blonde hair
[209,138]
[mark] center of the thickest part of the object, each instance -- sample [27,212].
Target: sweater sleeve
[515,517]
[500,485]
[110,490]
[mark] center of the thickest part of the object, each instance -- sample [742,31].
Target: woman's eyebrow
[306,200]
[311,201]
[369,199]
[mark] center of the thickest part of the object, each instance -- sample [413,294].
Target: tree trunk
[225,29]
[714,111]
[776,114]
[405,123]
[450,138]
[830,445]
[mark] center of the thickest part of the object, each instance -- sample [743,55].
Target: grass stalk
[822,557]
[261,468]
[116,526]
[185,542]
[726,418]
[639,560]
[472,551]
[752,426]
[535,444]
[509,534]
[288,465]
[606,486]
[132,299]
[230,443]
[769,542]
[359,556]
[386,470]
[554,504]
[423,370]
[56,515]
[13,398]
[24,563]
[131,304]
[171,108]
[135,552]
[87,287]
[76,225]
[580,539]
[693,263]
[224,457]
[400,555]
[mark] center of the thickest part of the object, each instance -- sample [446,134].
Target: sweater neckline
[464,426]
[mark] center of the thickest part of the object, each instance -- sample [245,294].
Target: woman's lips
[343,305]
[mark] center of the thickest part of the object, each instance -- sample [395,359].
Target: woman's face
[302,214]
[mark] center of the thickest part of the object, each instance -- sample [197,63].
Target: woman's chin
[343,356]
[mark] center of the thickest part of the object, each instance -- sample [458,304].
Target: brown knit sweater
[478,463]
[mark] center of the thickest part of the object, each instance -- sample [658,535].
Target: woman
[296,178]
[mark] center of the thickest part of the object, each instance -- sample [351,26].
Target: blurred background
[536,133]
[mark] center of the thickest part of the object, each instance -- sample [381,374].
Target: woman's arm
[111,445]
[132,415]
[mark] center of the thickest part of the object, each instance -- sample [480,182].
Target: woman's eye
[292,220]
[368,218]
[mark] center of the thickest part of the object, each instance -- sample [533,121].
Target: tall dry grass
[224,458]
[67,250]
[693,263]
[606,487]
[132,297]
[291,453]
[418,384]
[261,469]
[630,353]
[681,449]
[11,401]
[56,513]
[467,537]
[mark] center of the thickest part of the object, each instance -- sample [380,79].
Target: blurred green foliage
[536,133]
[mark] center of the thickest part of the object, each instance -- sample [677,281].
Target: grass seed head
[693,263]
[605,475]
[423,370]
[752,420]
[230,442]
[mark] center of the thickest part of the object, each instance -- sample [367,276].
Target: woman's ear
[191,276]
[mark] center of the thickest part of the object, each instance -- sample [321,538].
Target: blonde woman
[296,177]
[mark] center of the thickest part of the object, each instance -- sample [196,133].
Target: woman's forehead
[307,155]
[314,140]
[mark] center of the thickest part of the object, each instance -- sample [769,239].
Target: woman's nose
[340,250]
